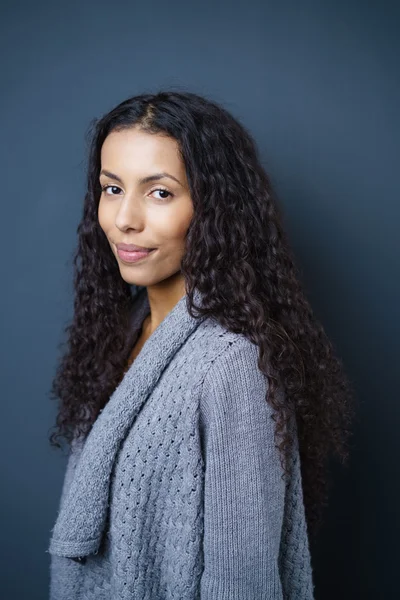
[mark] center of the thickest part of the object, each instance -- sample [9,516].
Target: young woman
[200,397]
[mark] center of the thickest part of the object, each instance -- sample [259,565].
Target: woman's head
[215,204]
[221,231]
[145,200]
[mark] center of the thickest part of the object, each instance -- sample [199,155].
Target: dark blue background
[317,83]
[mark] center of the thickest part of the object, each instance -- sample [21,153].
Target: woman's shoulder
[223,348]
[232,378]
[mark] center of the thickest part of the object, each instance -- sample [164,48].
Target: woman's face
[153,214]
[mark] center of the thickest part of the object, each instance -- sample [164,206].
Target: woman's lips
[133,256]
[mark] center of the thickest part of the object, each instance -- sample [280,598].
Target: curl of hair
[238,256]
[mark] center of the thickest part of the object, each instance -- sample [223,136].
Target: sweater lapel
[81,519]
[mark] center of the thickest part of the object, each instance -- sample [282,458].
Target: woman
[200,396]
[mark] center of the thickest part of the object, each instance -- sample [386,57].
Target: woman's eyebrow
[144,180]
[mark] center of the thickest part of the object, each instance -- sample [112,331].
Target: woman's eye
[162,191]
[113,187]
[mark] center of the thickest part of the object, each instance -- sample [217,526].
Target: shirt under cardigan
[177,493]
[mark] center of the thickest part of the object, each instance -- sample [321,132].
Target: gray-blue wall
[317,83]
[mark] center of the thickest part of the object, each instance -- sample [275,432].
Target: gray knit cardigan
[177,493]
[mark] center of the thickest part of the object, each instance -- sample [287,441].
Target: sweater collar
[81,520]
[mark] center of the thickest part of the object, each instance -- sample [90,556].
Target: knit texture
[177,491]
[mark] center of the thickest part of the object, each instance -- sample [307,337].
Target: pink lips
[132,256]
[132,248]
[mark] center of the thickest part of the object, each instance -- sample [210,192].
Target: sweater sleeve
[244,492]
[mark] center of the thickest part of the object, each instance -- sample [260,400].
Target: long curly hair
[238,256]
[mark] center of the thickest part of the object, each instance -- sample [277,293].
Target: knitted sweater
[177,491]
